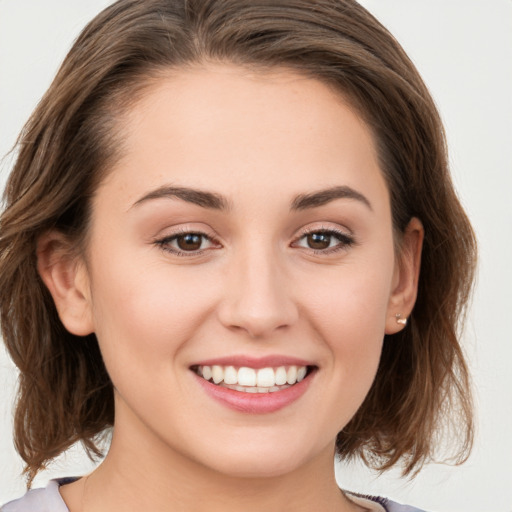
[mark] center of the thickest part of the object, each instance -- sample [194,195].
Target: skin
[256,288]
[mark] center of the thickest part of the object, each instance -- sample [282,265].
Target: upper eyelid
[210,234]
[324,229]
[214,238]
[180,230]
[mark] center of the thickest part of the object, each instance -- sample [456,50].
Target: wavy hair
[72,139]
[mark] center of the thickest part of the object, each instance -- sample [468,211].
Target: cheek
[352,329]
[351,304]
[348,312]
[145,310]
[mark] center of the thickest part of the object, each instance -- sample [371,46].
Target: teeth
[291,375]
[217,374]
[207,372]
[266,377]
[230,375]
[246,376]
[250,380]
[280,376]
[301,373]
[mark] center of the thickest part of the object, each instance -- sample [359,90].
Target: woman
[231,235]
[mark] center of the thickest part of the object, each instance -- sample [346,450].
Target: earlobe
[405,282]
[65,276]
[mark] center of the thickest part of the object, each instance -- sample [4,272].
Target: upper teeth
[245,376]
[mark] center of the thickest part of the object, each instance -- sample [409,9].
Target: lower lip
[256,403]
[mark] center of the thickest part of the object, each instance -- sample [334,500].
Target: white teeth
[266,377]
[207,372]
[246,376]
[291,375]
[250,380]
[280,376]
[217,374]
[301,373]
[254,389]
[230,375]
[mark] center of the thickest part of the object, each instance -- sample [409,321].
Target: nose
[258,297]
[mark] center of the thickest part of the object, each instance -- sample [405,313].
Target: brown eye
[319,240]
[189,242]
[324,241]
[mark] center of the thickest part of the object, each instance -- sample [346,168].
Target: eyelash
[345,241]
[163,243]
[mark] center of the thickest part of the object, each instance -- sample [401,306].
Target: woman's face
[244,234]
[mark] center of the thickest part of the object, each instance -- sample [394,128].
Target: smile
[252,380]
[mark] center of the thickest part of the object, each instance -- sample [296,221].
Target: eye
[324,241]
[186,243]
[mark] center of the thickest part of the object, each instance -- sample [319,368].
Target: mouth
[254,380]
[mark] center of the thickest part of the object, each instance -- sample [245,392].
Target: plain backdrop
[463,48]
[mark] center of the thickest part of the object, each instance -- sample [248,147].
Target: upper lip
[238,361]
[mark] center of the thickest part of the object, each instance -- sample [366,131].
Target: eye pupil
[319,240]
[189,242]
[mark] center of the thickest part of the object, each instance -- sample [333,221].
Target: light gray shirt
[48,499]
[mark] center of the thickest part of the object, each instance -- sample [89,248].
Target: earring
[400,320]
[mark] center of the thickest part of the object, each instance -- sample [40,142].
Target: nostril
[256,299]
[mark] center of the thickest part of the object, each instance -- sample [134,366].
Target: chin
[250,459]
[259,467]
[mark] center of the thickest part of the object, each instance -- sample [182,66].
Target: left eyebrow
[322,197]
[201,198]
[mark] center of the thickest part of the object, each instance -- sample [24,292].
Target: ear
[65,275]
[405,278]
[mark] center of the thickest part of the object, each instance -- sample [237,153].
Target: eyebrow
[322,197]
[214,201]
[201,198]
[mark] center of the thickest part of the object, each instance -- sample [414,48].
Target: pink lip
[256,403]
[255,362]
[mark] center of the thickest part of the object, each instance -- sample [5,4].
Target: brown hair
[65,394]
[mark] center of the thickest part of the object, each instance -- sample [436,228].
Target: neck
[141,472]
[131,482]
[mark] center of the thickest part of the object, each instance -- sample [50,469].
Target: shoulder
[391,506]
[47,499]
[378,504]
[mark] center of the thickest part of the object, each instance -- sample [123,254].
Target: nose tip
[258,301]
[258,320]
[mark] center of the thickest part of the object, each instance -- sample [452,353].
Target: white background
[463,48]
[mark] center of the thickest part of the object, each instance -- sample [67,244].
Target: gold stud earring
[400,320]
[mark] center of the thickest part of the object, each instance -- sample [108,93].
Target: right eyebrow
[322,197]
[201,198]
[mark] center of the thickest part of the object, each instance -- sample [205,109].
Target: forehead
[229,128]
